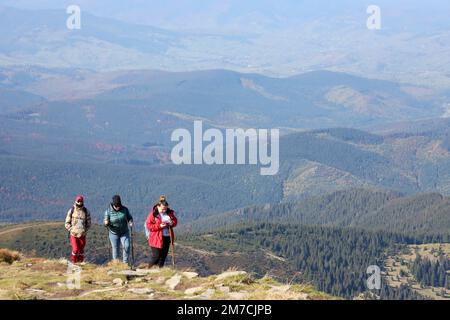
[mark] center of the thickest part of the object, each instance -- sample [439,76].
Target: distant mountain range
[222,98]
[257,36]
[110,133]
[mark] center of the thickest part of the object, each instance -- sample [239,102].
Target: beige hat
[163,200]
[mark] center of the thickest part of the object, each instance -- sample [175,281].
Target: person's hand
[163,225]
[131,224]
[106,223]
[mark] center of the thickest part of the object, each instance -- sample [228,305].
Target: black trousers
[159,255]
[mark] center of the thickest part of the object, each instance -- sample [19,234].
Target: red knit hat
[79,199]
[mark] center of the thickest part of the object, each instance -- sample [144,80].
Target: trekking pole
[109,241]
[70,245]
[132,249]
[173,247]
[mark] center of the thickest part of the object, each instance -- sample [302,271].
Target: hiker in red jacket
[160,223]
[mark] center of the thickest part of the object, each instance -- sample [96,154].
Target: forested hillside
[422,267]
[334,259]
[311,164]
[36,190]
[432,273]
[365,208]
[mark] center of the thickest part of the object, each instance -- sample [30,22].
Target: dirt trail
[200,251]
[30,226]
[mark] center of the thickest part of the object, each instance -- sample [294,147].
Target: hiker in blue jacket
[118,220]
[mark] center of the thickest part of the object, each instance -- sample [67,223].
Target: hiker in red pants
[78,222]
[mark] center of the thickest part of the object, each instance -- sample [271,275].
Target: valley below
[363,180]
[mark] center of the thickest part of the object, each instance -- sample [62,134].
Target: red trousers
[77,248]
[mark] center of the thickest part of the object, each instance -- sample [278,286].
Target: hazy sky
[275,37]
[217,15]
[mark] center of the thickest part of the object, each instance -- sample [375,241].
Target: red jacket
[156,232]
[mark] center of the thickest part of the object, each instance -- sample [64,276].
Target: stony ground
[36,278]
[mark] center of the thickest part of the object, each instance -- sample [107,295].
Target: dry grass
[36,278]
[9,256]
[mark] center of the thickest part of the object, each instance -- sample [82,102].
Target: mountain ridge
[359,208]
